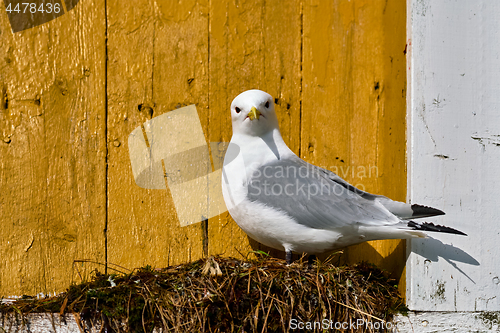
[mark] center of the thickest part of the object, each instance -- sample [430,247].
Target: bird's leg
[288,257]
[310,260]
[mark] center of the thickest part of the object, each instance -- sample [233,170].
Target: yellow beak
[254,113]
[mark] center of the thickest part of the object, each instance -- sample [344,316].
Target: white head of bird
[252,113]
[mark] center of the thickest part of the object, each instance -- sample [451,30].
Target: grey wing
[400,209]
[315,197]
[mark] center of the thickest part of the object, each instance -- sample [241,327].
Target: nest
[228,295]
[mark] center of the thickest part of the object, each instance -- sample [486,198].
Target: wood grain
[52,165]
[353,118]
[72,91]
[158,62]
[253,45]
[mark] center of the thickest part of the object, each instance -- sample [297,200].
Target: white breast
[269,226]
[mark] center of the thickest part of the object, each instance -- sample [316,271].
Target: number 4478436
[31,7]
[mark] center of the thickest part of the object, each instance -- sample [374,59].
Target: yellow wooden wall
[73,89]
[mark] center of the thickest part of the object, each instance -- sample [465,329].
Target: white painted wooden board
[454,152]
[444,322]
[43,322]
[53,323]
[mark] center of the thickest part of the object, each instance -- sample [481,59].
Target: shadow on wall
[26,15]
[388,263]
[432,249]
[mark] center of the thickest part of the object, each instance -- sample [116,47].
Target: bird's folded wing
[315,197]
[400,209]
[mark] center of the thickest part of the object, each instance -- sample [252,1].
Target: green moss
[238,296]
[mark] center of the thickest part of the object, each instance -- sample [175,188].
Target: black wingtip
[425,211]
[424,226]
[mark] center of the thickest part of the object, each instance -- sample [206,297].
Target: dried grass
[227,295]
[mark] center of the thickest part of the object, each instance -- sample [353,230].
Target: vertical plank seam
[301,61]
[153,61]
[204,224]
[106,136]
[44,254]
[262,35]
[378,142]
[350,77]
[153,102]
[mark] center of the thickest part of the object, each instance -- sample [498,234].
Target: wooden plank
[52,165]
[336,69]
[454,156]
[129,86]
[43,322]
[353,118]
[253,45]
[180,79]
[158,60]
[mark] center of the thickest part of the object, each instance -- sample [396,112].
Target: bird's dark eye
[237,109]
[267,104]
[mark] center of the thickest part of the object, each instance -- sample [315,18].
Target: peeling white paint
[51,322]
[414,322]
[439,322]
[454,152]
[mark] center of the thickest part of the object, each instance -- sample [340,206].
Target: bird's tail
[425,226]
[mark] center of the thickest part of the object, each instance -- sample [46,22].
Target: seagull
[285,203]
